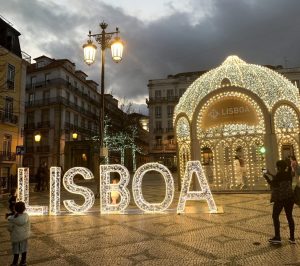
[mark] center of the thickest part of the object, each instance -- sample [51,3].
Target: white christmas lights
[121,187]
[205,193]
[137,188]
[55,177]
[68,182]
[267,84]
[23,193]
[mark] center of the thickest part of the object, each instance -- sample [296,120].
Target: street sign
[20,150]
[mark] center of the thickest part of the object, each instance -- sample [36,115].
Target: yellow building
[12,91]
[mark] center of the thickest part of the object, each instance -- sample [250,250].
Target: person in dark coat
[12,199]
[283,198]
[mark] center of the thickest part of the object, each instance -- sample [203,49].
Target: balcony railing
[162,99]
[43,124]
[29,149]
[60,81]
[43,148]
[158,130]
[83,130]
[29,126]
[7,156]
[60,100]
[6,117]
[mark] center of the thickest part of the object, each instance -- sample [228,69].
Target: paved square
[236,237]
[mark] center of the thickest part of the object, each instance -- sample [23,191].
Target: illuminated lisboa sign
[106,188]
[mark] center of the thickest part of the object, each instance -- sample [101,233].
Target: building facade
[12,90]
[61,105]
[164,94]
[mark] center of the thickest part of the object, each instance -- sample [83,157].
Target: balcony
[43,124]
[158,130]
[29,149]
[78,129]
[168,99]
[29,126]
[7,156]
[59,82]
[43,148]
[7,117]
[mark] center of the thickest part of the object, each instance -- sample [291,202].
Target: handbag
[297,195]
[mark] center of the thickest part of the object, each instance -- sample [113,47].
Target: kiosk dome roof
[267,84]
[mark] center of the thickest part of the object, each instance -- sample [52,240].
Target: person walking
[283,198]
[238,172]
[19,228]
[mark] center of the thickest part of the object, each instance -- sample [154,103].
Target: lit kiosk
[234,112]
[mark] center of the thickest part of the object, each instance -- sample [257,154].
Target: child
[19,228]
[114,194]
[11,202]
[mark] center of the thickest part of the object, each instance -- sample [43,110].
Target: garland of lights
[205,194]
[267,84]
[107,188]
[23,193]
[137,188]
[55,177]
[68,182]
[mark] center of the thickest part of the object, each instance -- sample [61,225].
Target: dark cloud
[261,32]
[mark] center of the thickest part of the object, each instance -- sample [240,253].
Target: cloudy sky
[161,36]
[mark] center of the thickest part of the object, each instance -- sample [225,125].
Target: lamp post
[104,40]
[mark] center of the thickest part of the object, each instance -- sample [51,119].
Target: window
[296,83]
[82,122]
[158,140]
[46,96]
[67,117]
[171,140]
[30,118]
[10,77]
[170,94]
[75,84]
[158,125]
[170,110]
[68,96]
[7,144]
[170,125]
[68,79]
[31,98]
[33,82]
[157,94]
[47,77]
[158,111]
[76,120]
[9,108]
[181,91]
[45,115]
[89,125]
[75,100]
[40,64]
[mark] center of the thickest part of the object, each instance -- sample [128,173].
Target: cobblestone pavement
[236,237]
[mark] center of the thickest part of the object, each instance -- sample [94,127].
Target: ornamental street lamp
[89,49]
[37,137]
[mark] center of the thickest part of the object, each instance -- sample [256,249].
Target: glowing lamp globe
[89,52]
[37,138]
[117,50]
[75,135]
